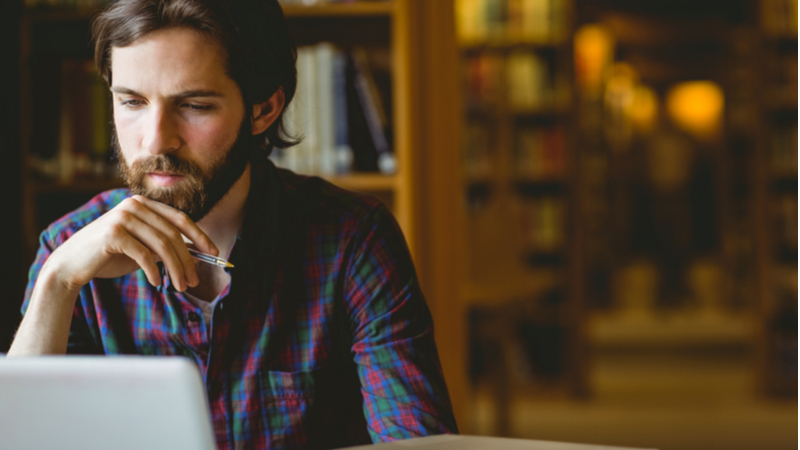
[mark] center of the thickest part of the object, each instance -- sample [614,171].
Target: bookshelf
[521,288]
[776,196]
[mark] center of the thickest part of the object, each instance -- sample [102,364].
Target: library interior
[599,196]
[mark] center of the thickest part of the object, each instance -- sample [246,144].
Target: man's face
[182,136]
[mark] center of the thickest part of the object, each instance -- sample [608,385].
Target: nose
[160,134]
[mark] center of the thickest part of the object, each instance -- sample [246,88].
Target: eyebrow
[184,94]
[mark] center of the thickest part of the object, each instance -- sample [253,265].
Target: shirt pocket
[290,406]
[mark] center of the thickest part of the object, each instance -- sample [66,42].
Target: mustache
[166,163]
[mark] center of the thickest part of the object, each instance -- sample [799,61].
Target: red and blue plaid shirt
[321,340]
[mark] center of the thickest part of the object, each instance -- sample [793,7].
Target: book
[374,113]
[527,81]
[325,111]
[343,150]
[306,118]
[539,152]
[338,113]
[514,20]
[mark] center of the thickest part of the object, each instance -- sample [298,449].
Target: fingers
[167,246]
[160,235]
[166,231]
[143,257]
[181,221]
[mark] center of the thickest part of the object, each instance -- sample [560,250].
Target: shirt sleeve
[404,391]
[80,338]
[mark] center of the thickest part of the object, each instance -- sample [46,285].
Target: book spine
[306,117]
[387,164]
[325,111]
[344,152]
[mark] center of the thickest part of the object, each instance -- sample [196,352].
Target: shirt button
[194,317]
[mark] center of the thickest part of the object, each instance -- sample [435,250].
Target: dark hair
[260,54]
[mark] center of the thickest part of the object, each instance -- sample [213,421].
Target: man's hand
[137,233]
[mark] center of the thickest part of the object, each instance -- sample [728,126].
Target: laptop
[458,442]
[101,402]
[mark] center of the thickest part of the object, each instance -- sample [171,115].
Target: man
[320,336]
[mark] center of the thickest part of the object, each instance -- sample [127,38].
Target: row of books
[72,121]
[542,222]
[539,153]
[516,20]
[522,79]
[339,113]
[478,150]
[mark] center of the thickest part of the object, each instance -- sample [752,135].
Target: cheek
[127,138]
[210,136]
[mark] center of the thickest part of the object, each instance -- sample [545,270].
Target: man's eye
[132,103]
[196,107]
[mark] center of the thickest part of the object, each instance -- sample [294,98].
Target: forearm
[45,327]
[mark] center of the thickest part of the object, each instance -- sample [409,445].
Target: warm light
[594,51]
[644,108]
[697,107]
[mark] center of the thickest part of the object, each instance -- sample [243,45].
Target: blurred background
[600,195]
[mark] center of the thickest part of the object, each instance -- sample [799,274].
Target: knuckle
[183,220]
[128,205]
[124,216]
[174,235]
[162,242]
[115,230]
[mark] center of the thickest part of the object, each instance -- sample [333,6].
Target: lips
[164,179]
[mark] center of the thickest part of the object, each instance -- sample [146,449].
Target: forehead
[168,60]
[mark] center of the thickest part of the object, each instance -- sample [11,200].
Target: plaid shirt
[321,340]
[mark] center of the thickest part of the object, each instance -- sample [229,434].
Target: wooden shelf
[539,179]
[509,41]
[364,182]
[356,9]
[678,329]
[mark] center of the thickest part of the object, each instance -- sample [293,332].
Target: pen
[206,258]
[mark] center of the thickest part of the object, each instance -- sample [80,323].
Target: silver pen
[210,259]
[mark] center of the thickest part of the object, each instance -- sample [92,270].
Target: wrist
[55,274]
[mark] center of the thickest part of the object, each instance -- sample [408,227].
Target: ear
[265,113]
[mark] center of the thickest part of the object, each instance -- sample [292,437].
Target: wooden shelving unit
[776,198]
[520,291]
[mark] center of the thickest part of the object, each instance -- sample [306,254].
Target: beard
[199,191]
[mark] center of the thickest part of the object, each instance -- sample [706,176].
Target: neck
[224,221]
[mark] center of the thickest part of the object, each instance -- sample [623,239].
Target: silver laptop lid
[457,442]
[88,403]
